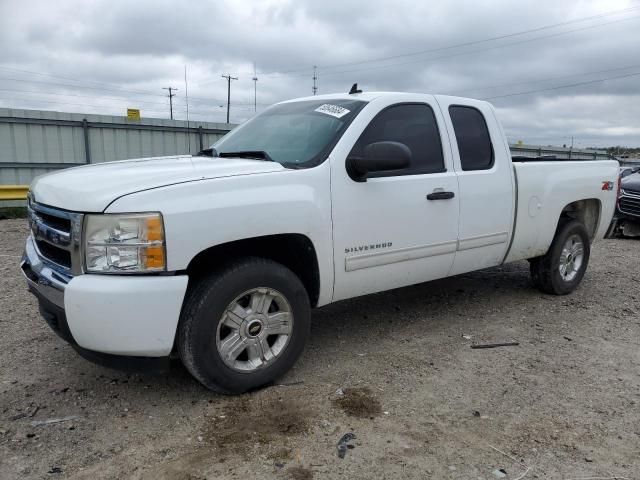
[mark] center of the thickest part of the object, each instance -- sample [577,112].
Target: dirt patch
[257,419]
[185,476]
[359,402]
[190,466]
[281,454]
[299,473]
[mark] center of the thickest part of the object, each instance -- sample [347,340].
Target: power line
[31,72]
[104,106]
[110,86]
[577,84]
[229,78]
[558,87]
[81,96]
[486,40]
[117,90]
[458,45]
[460,92]
[469,52]
[44,82]
[502,85]
[121,90]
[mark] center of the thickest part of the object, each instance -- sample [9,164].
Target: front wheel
[560,271]
[244,326]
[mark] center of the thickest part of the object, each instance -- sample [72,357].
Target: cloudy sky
[555,69]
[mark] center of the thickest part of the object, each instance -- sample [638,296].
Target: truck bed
[545,188]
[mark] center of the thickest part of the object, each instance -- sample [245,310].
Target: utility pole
[255,89]
[171,95]
[314,89]
[229,78]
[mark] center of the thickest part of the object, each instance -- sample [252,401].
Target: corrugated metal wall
[33,142]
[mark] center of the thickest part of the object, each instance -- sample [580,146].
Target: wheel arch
[587,211]
[293,250]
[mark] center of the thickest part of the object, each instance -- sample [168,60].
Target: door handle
[440,196]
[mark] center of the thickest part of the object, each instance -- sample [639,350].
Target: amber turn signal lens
[153,257]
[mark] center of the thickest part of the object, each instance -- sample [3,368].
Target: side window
[472,135]
[412,124]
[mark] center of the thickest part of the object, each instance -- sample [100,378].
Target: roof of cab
[366,96]
[369,96]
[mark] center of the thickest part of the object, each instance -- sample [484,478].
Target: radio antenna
[186,93]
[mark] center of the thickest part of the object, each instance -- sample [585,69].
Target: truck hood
[92,188]
[631,182]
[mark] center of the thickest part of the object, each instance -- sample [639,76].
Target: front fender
[205,213]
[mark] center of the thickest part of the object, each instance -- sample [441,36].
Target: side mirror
[378,157]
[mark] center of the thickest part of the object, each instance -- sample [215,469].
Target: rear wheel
[244,326]
[560,271]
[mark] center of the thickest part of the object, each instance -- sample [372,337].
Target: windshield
[296,134]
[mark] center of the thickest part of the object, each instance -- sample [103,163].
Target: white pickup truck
[218,258]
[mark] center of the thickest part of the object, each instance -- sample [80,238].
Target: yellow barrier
[13,192]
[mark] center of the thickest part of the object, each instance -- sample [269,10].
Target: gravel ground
[394,369]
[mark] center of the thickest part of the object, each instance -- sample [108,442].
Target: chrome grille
[629,204]
[631,191]
[56,235]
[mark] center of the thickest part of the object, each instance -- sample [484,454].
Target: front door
[399,227]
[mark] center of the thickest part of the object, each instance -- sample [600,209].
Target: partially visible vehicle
[627,221]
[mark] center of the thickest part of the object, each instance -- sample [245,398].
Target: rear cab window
[472,136]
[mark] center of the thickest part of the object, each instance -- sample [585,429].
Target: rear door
[485,177]
[390,231]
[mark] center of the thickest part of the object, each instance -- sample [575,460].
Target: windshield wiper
[251,154]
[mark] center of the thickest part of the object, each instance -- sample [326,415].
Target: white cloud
[115,54]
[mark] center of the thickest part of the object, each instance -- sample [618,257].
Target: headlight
[127,243]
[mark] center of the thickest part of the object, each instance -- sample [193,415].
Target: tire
[547,272]
[248,301]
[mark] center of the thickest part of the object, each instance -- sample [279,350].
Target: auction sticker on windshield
[333,110]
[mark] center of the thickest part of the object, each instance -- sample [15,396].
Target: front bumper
[626,216]
[110,319]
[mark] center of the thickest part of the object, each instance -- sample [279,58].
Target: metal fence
[33,142]
[560,153]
